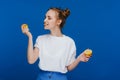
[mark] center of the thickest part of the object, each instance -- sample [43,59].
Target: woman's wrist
[29,35]
[78,59]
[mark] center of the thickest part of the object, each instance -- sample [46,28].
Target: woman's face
[51,20]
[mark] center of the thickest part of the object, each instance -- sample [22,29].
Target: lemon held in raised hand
[24,26]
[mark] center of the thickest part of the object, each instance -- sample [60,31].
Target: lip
[45,24]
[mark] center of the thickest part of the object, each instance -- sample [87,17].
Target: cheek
[53,23]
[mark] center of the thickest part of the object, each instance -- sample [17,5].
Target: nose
[45,20]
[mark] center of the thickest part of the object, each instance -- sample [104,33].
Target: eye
[49,18]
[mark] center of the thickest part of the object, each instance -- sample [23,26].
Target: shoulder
[71,42]
[69,39]
[41,37]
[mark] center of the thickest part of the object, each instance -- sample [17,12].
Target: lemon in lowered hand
[88,53]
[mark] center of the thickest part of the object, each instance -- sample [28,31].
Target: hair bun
[66,13]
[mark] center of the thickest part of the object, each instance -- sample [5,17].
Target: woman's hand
[25,30]
[83,58]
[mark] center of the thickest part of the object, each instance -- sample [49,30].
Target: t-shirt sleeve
[72,54]
[37,43]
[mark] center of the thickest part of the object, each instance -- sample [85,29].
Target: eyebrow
[47,16]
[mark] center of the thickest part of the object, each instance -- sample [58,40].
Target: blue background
[92,24]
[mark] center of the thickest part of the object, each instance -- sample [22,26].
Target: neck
[56,32]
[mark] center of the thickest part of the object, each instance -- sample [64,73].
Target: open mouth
[45,24]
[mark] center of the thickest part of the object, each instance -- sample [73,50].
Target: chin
[46,28]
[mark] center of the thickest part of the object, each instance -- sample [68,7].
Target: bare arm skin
[80,58]
[32,53]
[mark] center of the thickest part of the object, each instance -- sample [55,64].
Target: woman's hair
[62,14]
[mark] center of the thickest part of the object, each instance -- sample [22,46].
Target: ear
[59,21]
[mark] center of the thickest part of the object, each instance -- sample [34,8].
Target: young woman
[56,51]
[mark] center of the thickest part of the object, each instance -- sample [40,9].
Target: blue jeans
[49,75]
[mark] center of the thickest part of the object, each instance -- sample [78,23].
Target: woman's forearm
[74,64]
[80,58]
[30,50]
[32,54]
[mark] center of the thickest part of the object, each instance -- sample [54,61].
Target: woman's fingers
[24,28]
[83,57]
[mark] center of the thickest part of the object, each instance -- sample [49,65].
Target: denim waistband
[52,72]
[51,75]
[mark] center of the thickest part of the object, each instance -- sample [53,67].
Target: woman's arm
[80,58]
[32,54]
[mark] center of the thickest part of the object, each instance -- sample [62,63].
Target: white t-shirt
[55,53]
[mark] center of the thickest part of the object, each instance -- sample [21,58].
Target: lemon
[24,26]
[88,52]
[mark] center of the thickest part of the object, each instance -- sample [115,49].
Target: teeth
[45,24]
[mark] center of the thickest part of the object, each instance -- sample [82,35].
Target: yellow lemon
[24,26]
[88,52]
